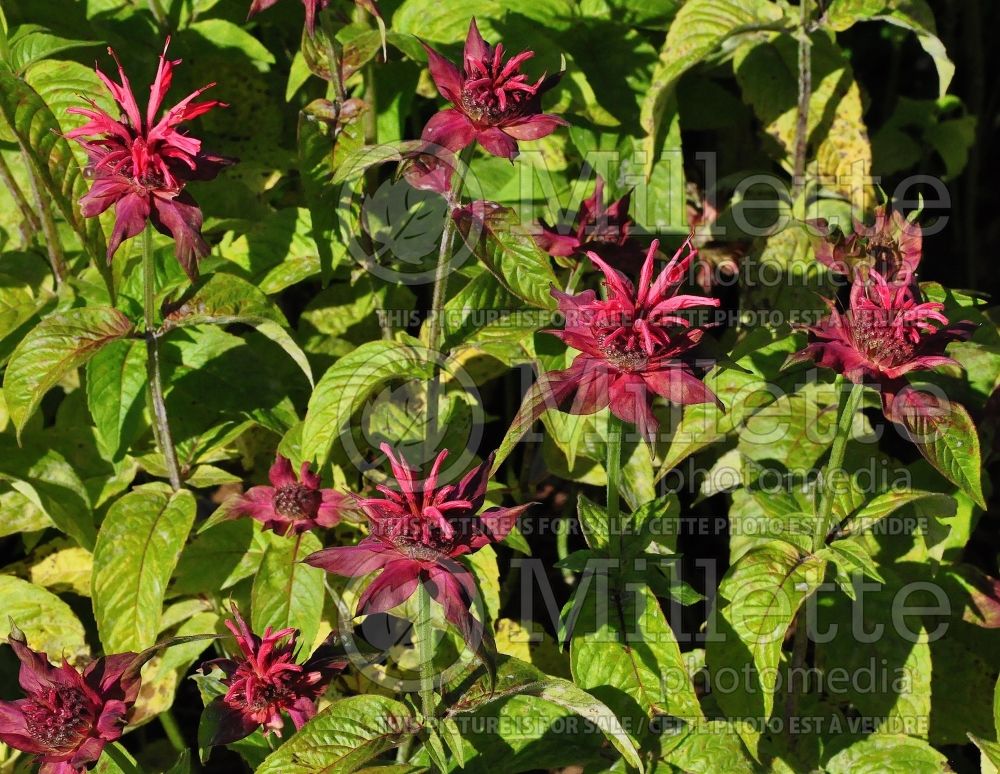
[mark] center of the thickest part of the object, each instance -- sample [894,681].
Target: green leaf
[516,677]
[286,592]
[53,348]
[906,665]
[758,599]
[220,557]
[25,116]
[50,483]
[850,556]
[594,521]
[354,164]
[226,299]
[989,749]
[700,27]
[444,22]
[711,747]
[115,759]
[944,433]
[623,645]
[349,382]
[913,15]
[136,552]
[48,622]
[511,255]
[31,43]
[887,752]
[222,34]
[768,76]
[885,504]
[343,737]
[116,379]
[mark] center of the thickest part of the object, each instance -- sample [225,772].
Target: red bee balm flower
[141,166]
[495,104]
[416,535]
[67,717]
[265,681]
[291,504]
[887,333]
[892,247]
[632,345]
[603,229]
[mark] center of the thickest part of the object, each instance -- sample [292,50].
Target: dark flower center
[881,253]
[269,695]
[296,501]
[619,344]
[60,720]
[482,106]
[491,94]
[423,552]
[626,360]
[880,340]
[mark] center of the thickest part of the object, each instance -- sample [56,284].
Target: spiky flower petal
[67,716]
[633,345]
[141,165]
[418,530]
[494,102]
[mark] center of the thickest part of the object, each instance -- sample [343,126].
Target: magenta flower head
[265,681]
[603,229]
[892,246]
[291,504]
[494,103]
[633,345]
[885,334]
[141,165]
[417,532]
[67,717]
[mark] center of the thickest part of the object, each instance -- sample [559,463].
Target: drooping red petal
[394,585]
[534,127]
[631,402]
[181,218]
[496,141]
[231,724]
[131,214]
[680,386]
[104,192]
[14,730]
[257,503]
[352,561]
[499,521]
[455,592]
[556,244]
[449,128]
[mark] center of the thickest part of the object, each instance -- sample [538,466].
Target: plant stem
[613,467]
[172,730]
[335,86]
[56,257]
[444,255]
[31,224]
[805,95]
[424,632]
[800,646]
[158,405]
[845,419]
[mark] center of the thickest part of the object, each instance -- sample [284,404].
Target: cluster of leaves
[300,338]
